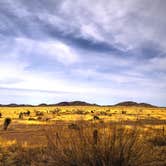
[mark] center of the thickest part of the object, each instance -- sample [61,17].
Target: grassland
[83,136]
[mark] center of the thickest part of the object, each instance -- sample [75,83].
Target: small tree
[6,123]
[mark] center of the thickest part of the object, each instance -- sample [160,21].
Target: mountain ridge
[132,103]
[80,103]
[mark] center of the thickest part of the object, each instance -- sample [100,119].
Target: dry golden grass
[84,112]
[66,136]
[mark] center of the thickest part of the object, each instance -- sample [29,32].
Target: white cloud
[91,32]
[53,49]
[59,51]
[128,23]
[122,24]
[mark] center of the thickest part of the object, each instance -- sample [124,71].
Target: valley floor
[68,128]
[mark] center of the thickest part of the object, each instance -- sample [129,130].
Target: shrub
[27,113]
[39,118]
[20,115]
[96,117]
[73,126]
[7,121]
[158,140]
[78,111]
[38,113]
[95,136]
[56,111]
[47,119]
[124,112]
[103,113]
[31,119]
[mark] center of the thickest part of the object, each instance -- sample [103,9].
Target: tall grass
[95,144]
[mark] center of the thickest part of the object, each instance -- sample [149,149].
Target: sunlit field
[83,135]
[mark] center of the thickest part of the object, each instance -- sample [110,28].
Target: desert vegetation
[83,136]
[7,121]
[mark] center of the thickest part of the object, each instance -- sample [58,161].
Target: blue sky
[99,51]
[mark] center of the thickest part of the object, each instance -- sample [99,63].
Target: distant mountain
[132,103]
[72,103]
[146,105]
[79,103]
[75,103]
[42,105]
[12,105]
[15,105]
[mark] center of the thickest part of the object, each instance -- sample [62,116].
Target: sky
[99,51]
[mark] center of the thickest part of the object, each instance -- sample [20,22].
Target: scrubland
[83,136]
